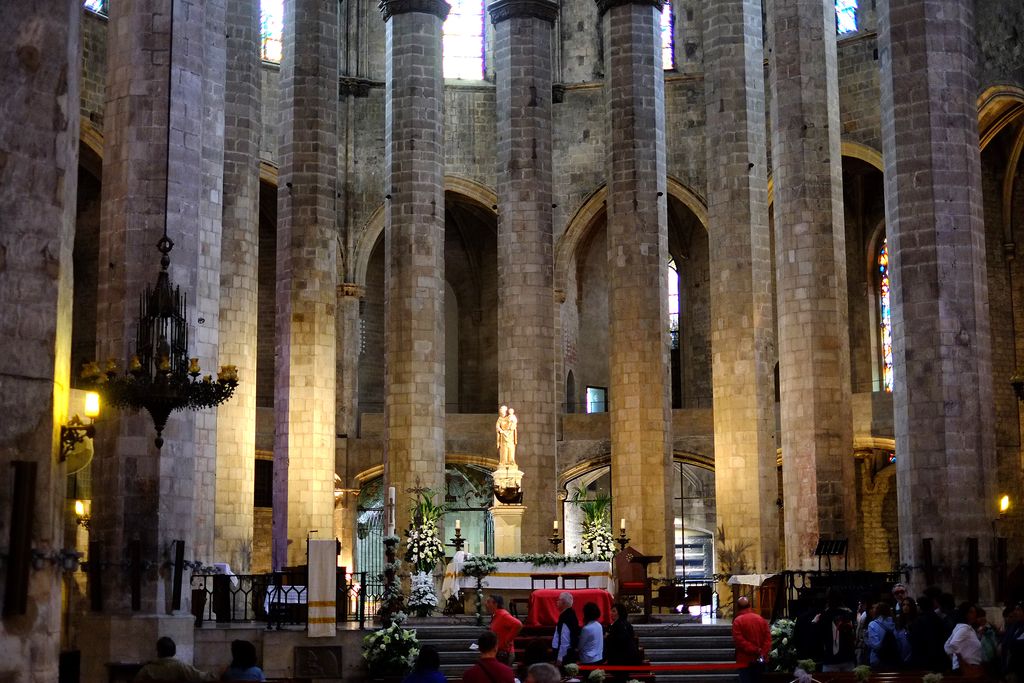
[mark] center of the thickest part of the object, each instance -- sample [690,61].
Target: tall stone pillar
[526,308]
[236,420]
[942,356]
[810,253]
[208,279]
[38,185]
[414,250]
[742,326]
[349,339]
[307,277]
[153,146]
[638,365]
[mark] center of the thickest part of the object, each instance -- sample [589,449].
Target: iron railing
[278,598]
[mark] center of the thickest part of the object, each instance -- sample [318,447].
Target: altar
[525,576]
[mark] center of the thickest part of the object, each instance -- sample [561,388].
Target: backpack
[889,650]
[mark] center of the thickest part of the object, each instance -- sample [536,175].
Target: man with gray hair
[543,673]
[566,640]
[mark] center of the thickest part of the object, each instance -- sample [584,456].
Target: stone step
[689,642]
[689,655]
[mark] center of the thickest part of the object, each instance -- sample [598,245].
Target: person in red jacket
[753,641]
[505,626]
[488,669]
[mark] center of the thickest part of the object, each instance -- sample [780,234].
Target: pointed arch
[374,226]
[583,221]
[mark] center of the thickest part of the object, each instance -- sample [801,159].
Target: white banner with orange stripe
[322,589]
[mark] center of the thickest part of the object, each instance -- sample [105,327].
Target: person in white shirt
[963,644]
[591,635]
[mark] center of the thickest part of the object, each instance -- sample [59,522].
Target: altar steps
[662,644]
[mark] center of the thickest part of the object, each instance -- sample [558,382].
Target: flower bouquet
[783,653]
[422,599]
[390,651]
[597,539]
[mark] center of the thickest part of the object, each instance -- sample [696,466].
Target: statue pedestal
[508,529]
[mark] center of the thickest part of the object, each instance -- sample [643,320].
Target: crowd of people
[929,633]
[167,667]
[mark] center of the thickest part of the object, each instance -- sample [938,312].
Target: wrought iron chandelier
[161,378]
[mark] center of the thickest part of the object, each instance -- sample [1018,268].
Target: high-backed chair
[631,577]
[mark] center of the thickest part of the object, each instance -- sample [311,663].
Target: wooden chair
[632,577]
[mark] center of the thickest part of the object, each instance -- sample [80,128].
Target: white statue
[507,433]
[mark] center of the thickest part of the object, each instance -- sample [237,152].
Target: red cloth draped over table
[544,605]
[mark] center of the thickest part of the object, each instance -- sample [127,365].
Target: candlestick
[458,541]
[622,540]
[554,541]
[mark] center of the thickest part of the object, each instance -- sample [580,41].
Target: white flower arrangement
[422,599]
[391,650]
[597,540]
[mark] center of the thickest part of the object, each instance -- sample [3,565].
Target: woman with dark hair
[591,635]
[243,665]
[963,644]
[427,668]
[620,644]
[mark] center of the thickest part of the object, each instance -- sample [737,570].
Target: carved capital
[350,289]
[500,10]
[389,8]
[605,5]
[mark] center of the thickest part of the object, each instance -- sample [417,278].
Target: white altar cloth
[516,575]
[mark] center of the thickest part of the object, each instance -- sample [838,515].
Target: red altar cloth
[544,607]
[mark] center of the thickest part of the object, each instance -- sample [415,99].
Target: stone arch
[374,227]
[998,107]
[851,149]
[585,218]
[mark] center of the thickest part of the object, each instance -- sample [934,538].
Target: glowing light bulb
[92,404]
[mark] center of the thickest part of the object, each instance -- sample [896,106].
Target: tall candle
[622,526]
[391,511]
[554,526]
[458,525]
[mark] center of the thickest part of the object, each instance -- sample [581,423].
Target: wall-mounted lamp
[64,559]
[82,516]
[1004,505]
[76,431]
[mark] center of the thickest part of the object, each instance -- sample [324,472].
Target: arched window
[463,40]
[271,29]
[672,275]
[97,6]
[846,16]
[885,317]
[667,24]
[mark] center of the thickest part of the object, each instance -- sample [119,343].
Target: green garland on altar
[542,559]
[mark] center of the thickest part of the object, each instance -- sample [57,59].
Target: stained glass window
[97,6]
[463,40]
[667,59]
[846,16]
[672,274]
[271,28]
[885,322]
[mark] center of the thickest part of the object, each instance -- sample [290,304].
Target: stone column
[152,156]
[208,295]
[349,296]
[742,329]
[236,420]
[307,276]
[526,310]
[414,250]
[942,398]
[810,254]
[38,185]
[638,364]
